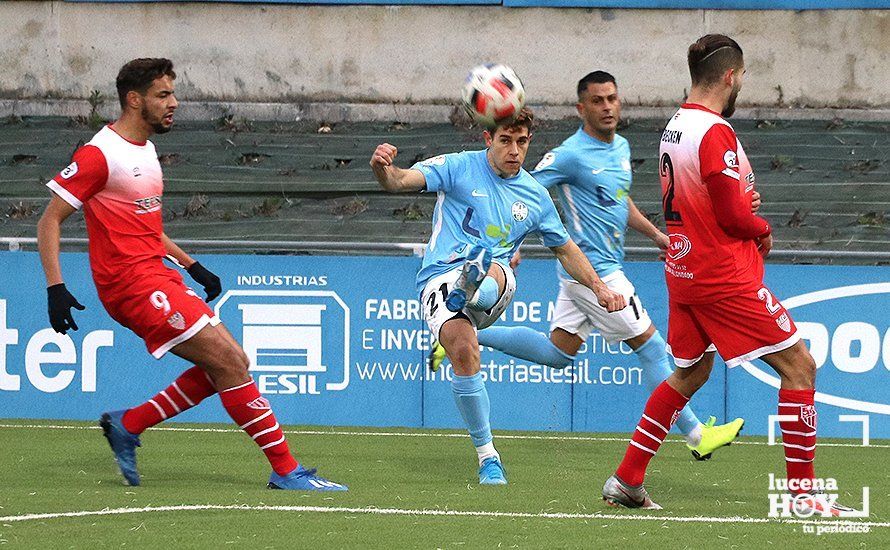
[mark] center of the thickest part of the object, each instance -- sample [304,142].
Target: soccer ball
[492,94]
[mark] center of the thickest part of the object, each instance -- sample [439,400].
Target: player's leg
[219,355]
[690,344]
[472,279]
[189,389]
[701,439]
[456,336]
[557,351]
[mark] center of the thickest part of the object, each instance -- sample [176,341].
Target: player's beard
[156,124]
[729,110]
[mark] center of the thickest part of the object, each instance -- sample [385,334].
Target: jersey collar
[700,108]
[137,143]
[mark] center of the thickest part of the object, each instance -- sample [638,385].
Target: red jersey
[119,185]
[706,183]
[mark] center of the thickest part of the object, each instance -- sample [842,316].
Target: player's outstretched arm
[578,266]
[641,223]
[392,178]
[49,234]
[203,276]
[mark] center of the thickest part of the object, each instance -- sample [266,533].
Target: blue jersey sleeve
[439,171]
[553,232]
[551,170]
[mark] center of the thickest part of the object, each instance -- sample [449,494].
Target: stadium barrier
[339,340]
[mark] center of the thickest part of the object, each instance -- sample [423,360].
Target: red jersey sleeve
[84,177]
[718,158]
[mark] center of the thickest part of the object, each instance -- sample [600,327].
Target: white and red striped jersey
[706,183]
[119,185]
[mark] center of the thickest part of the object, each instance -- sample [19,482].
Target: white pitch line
[427,512]
[420,434]
[417,434]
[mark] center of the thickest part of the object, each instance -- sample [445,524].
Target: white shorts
[578,311]
[437,289]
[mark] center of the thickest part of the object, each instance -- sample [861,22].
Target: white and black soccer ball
[492,94]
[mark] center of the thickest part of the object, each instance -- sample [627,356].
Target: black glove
[60,302]
[210,282]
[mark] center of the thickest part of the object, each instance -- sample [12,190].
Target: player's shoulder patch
[546,161]
[69,171]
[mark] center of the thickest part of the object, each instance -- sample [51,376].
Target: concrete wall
[279,53]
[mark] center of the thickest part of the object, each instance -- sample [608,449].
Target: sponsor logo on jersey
[69,171]
[434,161]
[136,172]
[478,194]
[148,204]
[679,247]
[519,211]
[548,159]
[177,321]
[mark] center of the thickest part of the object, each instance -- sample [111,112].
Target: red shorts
[741,328]
[160,309]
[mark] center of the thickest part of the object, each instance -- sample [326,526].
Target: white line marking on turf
[419,434]
[426,512]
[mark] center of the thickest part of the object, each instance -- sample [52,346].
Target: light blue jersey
[475,205]
[593,180]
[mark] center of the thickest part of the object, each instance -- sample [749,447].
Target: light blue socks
[486,295]
[525,343]
[656,368]
[471,399]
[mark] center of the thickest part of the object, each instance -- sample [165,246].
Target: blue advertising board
[341,341]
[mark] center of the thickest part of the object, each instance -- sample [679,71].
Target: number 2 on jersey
[771,306]
[666,167]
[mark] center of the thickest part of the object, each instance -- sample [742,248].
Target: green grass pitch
[416,490]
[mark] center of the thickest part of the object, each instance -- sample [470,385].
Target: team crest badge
[259,404]
[177,321]
[808,415]
[784,322]
[520,211]
[674,417]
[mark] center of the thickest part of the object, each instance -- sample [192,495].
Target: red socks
[661,412]
[798,436]
[252,413]
[185,392]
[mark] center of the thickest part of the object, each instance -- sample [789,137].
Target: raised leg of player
[192,387]
[215,351]
[662,410]
[797,371]
[458,338]
[526,343]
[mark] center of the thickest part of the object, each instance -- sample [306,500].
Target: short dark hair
[138,74]
[596,77]
[523,119]
[711,56]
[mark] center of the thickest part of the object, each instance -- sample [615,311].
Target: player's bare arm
[640,223]
[204,277]
[392,178]
[578,266]
[49,234]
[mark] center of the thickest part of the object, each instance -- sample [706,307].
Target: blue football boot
[302,479]
[123,444]
[492,472]
[471,275]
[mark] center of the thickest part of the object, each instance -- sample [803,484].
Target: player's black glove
[211,283]
[60,302]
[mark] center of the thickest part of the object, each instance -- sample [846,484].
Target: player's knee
[802,370]
[464,356]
